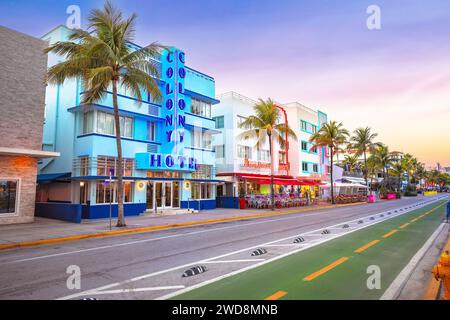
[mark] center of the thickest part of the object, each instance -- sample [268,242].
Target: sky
[320,53]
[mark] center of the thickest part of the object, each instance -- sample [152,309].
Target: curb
[434,286]
[162,227]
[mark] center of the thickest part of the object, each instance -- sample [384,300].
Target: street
[150,265]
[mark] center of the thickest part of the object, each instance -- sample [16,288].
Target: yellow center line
[364,247]
[314,275]
[404,225]
[414,220]
[390,233]
[277,295]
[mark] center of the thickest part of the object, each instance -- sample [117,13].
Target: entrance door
[150,195]
[168,194]
[165,194]
[159,194]
[176,194]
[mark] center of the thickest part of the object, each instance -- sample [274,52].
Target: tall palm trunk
[365,167]
[331,177]
[386,176]
[119,165]
[272,191]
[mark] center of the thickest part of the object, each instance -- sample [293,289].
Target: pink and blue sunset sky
[317,52]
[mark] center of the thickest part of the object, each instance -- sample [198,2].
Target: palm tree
[419,172]
[410,164]
[351,161]
[265,125]
[330,135]
[384,159]
[362,142]
[102,58]
[372,167]
[398,168]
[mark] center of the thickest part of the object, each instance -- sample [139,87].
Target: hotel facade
[245,168]
[169,161]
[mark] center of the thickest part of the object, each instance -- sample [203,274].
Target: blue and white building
[169,160]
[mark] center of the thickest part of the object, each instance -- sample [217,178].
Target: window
[200,108]
[88,122]
[203,172]
[105,125]
[240,119]
[219,122]
[128,167]
[282,157]
[308,127]
[126,127]
[201,190]
[127,191]
[105,164]
[244,152]
[8,195]
[84,166]
[264,155]
[304,166]
[315,168]
[304,146]
[106,192]
[151,131]
[207,141]
[201,140]
[220,151]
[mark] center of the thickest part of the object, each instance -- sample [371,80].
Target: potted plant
[383,192]
[242,202]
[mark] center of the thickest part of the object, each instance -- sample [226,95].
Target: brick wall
[23,168]
[22,90]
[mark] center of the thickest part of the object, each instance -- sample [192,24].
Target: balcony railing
[101,166]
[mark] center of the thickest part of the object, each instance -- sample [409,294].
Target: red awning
[278,180]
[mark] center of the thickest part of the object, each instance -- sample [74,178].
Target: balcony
[101,166]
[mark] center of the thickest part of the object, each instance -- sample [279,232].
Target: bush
[410,191]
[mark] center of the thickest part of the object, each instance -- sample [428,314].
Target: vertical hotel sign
[322,119]
[174,106]
[172,155]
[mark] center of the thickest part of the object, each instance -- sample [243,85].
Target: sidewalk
[421,284]
[44,231]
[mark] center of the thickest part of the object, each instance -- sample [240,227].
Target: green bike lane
[333,270]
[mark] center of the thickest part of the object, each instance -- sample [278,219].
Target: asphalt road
[40,272]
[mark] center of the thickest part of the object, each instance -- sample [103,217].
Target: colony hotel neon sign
[173,111]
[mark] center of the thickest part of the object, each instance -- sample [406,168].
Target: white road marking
[152,239]
[328,238]
[285,245]
[136,290]
[234,261]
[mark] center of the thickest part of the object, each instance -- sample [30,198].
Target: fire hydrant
[442,271]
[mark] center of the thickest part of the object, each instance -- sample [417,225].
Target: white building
[243,166]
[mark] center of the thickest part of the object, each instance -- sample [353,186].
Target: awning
[28,153]
[278,180]
[49,177]
[206,180]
